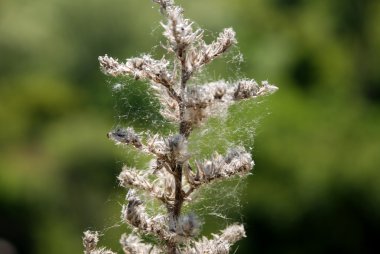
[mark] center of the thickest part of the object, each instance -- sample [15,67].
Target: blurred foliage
[316,184]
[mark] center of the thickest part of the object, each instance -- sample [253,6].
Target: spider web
[217,204]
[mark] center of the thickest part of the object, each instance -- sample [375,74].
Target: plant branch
[236,162]
[132,178]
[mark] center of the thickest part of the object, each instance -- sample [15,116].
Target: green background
[316,184]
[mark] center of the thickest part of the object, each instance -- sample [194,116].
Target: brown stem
[179,195]
[175,210]
[184,129]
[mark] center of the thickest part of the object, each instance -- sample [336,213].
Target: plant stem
[184,129]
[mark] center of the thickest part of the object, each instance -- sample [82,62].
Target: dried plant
[172,178]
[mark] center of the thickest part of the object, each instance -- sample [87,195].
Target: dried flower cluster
[172,178]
